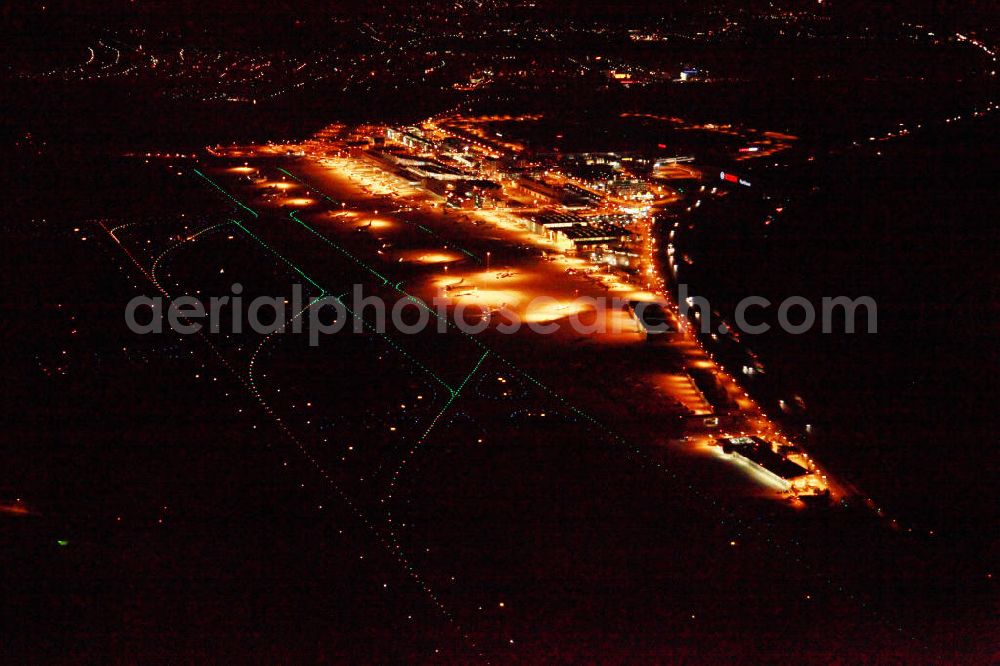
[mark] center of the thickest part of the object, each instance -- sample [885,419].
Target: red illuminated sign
[733,178]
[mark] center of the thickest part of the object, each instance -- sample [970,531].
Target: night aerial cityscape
[494,331]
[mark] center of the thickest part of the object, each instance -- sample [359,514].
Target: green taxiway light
[62,542]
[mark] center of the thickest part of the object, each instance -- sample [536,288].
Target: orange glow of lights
[429,257]
[547,311]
